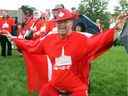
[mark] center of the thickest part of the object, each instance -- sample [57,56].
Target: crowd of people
[57,54]
[39,22]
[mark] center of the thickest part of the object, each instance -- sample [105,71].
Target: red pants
[64,80]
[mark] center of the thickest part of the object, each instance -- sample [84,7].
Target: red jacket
[7,23]
[37,74]
[80,49]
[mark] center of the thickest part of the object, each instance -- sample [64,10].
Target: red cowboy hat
[63,15]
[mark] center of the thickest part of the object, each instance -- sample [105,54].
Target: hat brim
[64,19]
[56,9]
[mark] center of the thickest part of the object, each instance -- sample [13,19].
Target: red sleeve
[39,24]
[35,46]
[100,43]
[50,26]
[20,43]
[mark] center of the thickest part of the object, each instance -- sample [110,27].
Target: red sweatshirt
[74,53]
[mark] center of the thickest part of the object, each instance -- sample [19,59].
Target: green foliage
[109,75]
[122,8]
[12,76]
[95,9]
[124,5]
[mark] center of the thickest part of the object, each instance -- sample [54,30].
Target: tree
[117,10]
[94,9]
[122,8]
[124,5]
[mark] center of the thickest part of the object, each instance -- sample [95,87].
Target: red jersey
[36,24]
[50,26]
[37,75]
[74,53]
[7,23]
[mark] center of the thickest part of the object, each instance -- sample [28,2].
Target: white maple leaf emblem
[61,14]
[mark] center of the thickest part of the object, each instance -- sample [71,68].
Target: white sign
[63,60]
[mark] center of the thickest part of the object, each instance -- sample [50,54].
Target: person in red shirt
[37,68]
[36,72]
[6,23]
[33,25]
[70,54]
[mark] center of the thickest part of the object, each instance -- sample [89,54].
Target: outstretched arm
[35,47]
[103,41]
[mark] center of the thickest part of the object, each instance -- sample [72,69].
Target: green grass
[12,76]
[109,75]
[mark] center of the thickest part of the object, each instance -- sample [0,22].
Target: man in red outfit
[70,54]
[36,64]
[6,23]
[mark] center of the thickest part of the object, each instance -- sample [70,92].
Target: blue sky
[43,4]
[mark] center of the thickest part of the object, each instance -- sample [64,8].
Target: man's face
[36,14]
[64,27]
[55,14]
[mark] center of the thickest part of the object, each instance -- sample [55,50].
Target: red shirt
[37,24]
[50,25]
[78,49]
[7,23]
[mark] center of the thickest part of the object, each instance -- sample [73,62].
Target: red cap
[63,15]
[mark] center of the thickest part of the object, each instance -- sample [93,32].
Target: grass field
[109,75]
